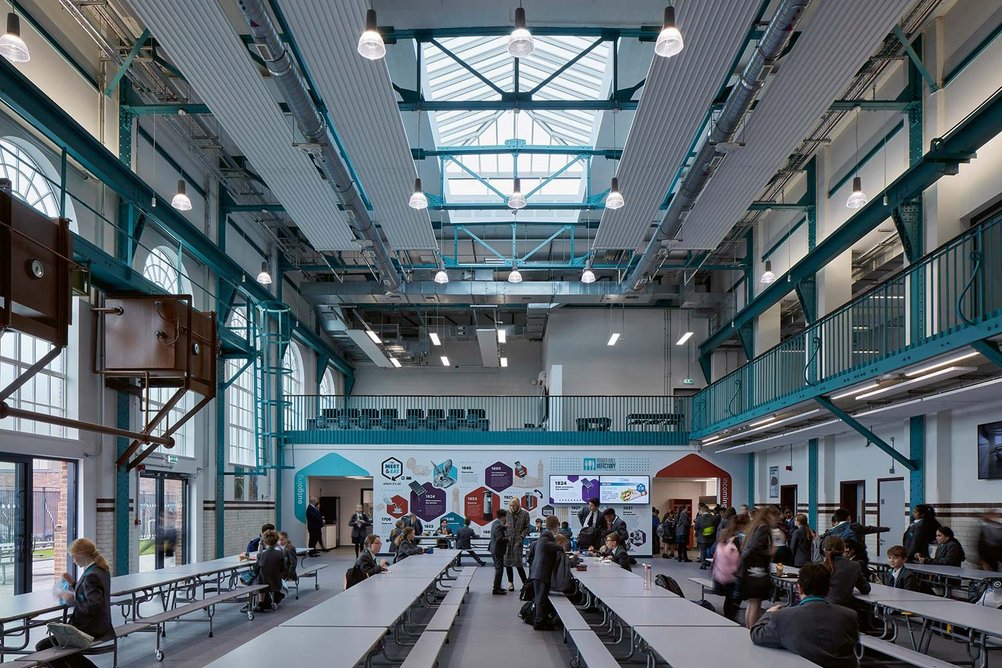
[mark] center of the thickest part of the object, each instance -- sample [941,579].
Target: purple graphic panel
[429,505]
[589,489]
[498,476]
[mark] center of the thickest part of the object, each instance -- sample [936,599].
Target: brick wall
[243,520]
[209,531]
[104,535]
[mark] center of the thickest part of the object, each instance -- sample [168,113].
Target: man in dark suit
[366,561]
[314,525]
[497,546]
[543,561]
[614,524]
[817,630]
[898,576]
[592,529]
[411,520]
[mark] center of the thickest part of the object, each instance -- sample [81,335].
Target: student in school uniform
[899,577]
[949,552]
[846,575]
[617,551]
[366,561]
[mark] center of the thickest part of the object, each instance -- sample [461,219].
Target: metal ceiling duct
[774,40]
[673,104]
[290,82]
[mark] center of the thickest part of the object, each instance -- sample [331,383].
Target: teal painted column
[916,452]
[812,482]
[751,480]
[222,315]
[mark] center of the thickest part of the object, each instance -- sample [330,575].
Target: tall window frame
[292,380]
[241,433]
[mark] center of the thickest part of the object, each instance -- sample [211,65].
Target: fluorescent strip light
[913,381]
[435,341]
[771,418]
[613,339]
[708,441]
[682,339]
[502,335]
[936,365]
[504,362]
[445,361]
[770,425]
[871,386]
[372,335]
[395,362]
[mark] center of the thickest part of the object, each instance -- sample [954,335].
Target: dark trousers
[682,543]
[704,552]
[73,661]
[315,539]
[511,576]
[656,549]
[459,558]
[540,602]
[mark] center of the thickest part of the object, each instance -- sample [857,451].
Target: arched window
[46,392]
[292,381]
[328,384]
[162,267]
[240,433]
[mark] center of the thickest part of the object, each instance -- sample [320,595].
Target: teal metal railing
[313,413]
[955,288]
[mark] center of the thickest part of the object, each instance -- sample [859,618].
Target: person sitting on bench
[948,550]
[366,562]
[815,629]
[616,551]
[90,597]
[270,562]
[290,556]
[463,542]
[254,546]
[898,576]
[406,545]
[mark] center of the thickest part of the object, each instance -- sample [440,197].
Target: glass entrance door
[163,517]
[14,578]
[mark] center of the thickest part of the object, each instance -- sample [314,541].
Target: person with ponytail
[801,541]
[90,597]
[846,574]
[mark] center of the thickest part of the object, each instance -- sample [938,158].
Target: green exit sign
[172,459]
[688,381]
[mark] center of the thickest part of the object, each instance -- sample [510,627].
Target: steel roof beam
[521,101]
[643,33]
[449,151]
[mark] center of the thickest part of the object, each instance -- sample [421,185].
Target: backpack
[562,580]
[668,583]
[706,604]
[725,562]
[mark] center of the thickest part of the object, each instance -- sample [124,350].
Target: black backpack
[668,583]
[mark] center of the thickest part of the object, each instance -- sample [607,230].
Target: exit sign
[688,381]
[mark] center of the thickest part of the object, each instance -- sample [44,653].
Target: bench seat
[309,572]
[455,596]
[591,650]
[569,615]
[443,618]
[902,653]
[424,653]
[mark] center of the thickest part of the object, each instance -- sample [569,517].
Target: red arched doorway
[694,466]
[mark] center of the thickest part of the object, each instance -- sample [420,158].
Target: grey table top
[329,647]
[27,605]
[707,646]
[603,571]
[960,572]
[389,584]
[354,611]
[636,612]
[977,617]
[882,594]
[620,587]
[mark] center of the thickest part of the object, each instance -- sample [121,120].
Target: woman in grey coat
[518,528]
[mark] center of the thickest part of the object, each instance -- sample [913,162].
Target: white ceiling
[837,38]
[201,41]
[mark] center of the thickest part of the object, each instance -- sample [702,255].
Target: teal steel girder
[958,146]
[642,33]
[169,109]
[807,294]
[521,148]
[812,482]
[591,205]
[907,218]
[127,63]
[915,59]
[746,335]
[520,101]
[916,451]
[856,426]
[990,351]
[465,230]
[958,338]
[870,105]
[542,244]
[409,437]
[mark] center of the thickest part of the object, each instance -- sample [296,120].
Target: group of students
[671,532]
[275,560]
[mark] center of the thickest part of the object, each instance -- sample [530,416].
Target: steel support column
[751,479]
[222,311]
[855,425]
[807,287]
[916,451]
[812,482]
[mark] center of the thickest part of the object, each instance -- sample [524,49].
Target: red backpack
[726,560]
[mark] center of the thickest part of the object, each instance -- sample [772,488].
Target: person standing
[518,528]
[682,534]
[498,547]
[360,524]
[921,533]
[655,525]
[90,597]
[801,541]
[667,530]
[591,526]
[706,534]
[314,525]
[464,538]
[544,561]
[989,544]
[754,581]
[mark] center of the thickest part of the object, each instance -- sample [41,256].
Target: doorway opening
[788,498]
[338,497]
[852,497]
[163,520]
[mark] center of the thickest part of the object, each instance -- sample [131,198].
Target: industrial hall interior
[544,333]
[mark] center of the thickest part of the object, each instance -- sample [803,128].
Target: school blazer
[92,603]
[906,580]
[818,631]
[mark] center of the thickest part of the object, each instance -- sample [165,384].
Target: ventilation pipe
[290,81]
[774,40]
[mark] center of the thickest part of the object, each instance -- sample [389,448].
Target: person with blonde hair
[90,596]
[517,522]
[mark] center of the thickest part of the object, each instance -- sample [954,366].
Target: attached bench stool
[310,572]
[591,650]
[424,653]
[902,653]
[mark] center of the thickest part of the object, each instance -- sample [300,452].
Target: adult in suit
[498,547]
[616,551]
[90,597]
[846,575]
[949,551]
[682,534]
[550,529]
[464,538]
[411,520]
[314,525]
[270,564]
[615,524]
[898,576]
[517,522]
[366,561]
[817,630]
[360,524]
[544,559]
[921,533]
[592,526]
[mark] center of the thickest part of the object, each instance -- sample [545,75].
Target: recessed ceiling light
[504,362]
[445,360]
[613,339]
[435,341]
[936,365]
[682,339]
[502,335]
[395,362]
[372,335]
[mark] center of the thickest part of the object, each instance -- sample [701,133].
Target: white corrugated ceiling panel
[837,39]
[363,108]
[674,101]
[202,43]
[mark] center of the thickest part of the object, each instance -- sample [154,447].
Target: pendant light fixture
[516,200]
[515,276]
[587,276]
[614,200]
[670,41]
[264,278]
[370,44]
[441,277]
[12,47]
[181,201]
[767,275]
[520,42]
[857,199]
[418,200]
